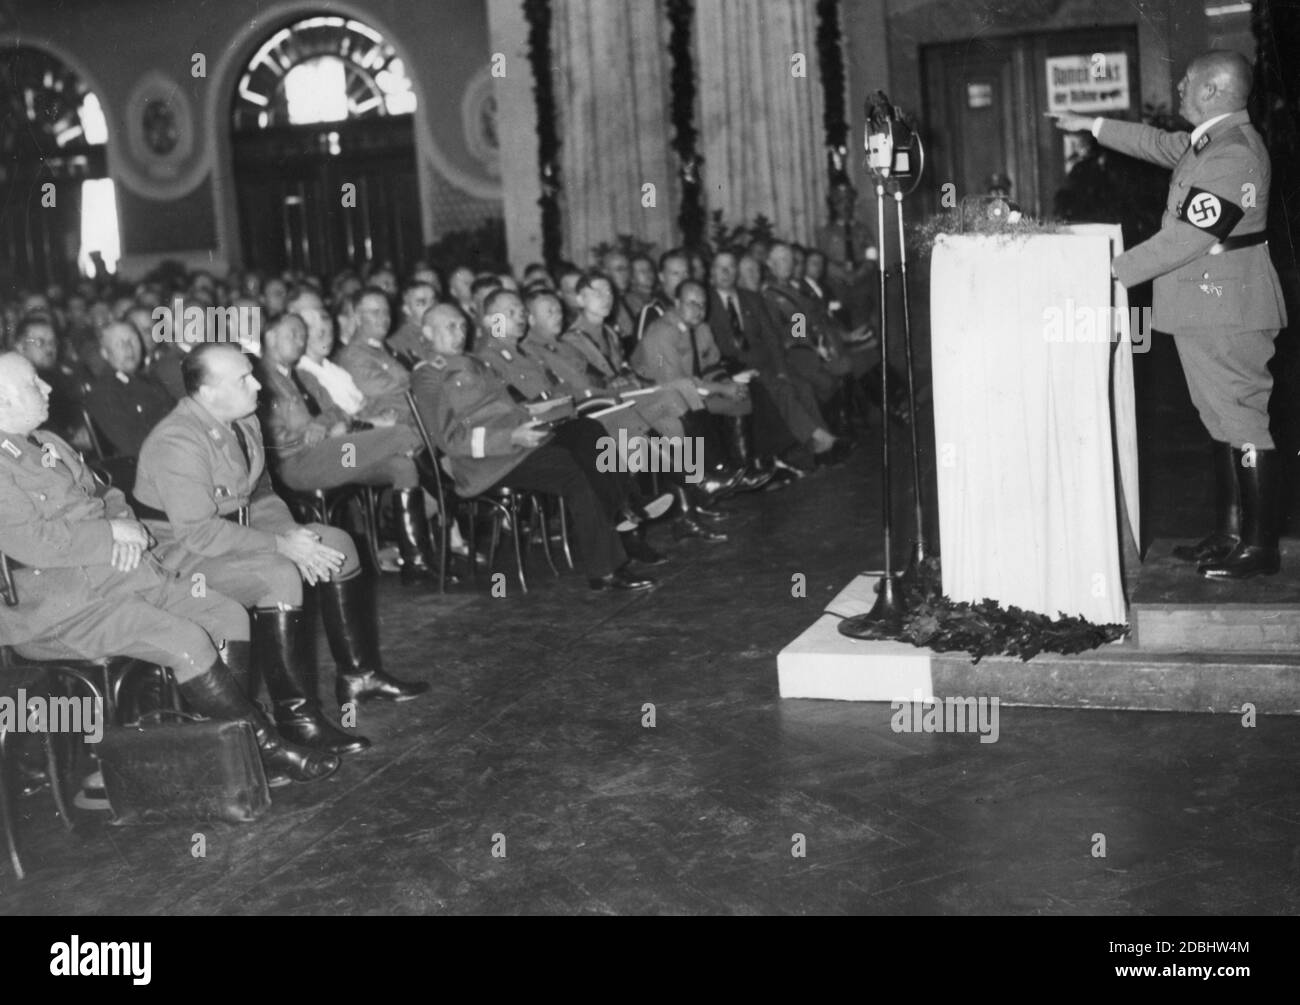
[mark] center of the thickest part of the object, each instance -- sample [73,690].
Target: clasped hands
[316,561]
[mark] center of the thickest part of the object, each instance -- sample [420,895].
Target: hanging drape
[761,126]
[611,89]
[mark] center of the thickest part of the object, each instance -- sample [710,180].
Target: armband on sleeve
[1210,213]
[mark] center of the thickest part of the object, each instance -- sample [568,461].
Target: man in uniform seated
[199,467]
[123,403]
[405,343]
[490,440]
[380,377]
[316,445]
[91,587]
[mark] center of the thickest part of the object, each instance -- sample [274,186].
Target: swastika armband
[1209,212]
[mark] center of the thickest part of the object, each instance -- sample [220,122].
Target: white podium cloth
[1035,437]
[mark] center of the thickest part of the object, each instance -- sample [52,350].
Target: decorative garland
[936,622]
[538,14]
[830,58]
[691,216]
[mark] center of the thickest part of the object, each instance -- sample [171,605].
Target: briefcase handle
[155,718]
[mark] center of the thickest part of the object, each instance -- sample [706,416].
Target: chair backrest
[430,447]
[96,444]
[8,591]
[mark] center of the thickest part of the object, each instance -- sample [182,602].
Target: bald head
[1216,83]
[445,328]
[24,396]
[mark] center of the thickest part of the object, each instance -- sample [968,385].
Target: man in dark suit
[1217,293]
[747,336]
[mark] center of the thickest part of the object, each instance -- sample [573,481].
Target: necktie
[313,409]
[243,447]
[737,328]
[850,256]
[695,350]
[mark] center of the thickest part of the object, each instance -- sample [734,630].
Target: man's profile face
[286,343]
[230,390]
[24,397]
[320,331]
[1189,94]
[619,269]
[39,346]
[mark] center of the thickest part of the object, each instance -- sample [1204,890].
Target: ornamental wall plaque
[478,114]
[164,156]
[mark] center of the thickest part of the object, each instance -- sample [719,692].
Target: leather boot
[352,627]
[413,542]
[1217,545]
[239,661]
[214,694]
[283,648]
[751,477]
[142,692]
[1256,554]
[688,525]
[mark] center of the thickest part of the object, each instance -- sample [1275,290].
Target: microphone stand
[885,619]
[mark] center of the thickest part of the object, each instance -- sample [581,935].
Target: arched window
[322,69]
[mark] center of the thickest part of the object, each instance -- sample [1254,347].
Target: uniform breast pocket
[1212,296]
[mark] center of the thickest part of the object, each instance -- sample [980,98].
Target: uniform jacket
[407,342]
[125,407]
[380,377]
[669,350]
[650,313]
[527,376]
[287,410]
[165,368]
[470,415]
[192,469]
[1219,188]
[599,345]
[54,519]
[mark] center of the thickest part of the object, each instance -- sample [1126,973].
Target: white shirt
[337,382]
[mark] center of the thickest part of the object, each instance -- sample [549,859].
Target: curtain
[760,126]
[612,96]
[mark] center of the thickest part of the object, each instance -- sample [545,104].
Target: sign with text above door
[1092,82]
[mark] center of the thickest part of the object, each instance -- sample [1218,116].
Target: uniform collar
[1202,133]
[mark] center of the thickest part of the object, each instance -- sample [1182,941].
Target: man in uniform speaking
[1217,293]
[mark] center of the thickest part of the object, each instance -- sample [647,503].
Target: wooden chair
[507,505]
[103,678]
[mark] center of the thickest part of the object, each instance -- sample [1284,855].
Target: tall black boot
[283,651]
[352,627]
[687,524]
[738,432]
[413,543]
[1216,546]
[239,661]
[215,694]
[1257,553]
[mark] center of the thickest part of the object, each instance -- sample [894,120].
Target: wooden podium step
[1172,609]
[1185,677]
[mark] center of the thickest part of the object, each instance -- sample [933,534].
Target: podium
[1034,420]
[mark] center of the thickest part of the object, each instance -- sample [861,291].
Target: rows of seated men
[734,367]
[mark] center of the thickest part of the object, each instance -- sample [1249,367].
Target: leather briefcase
[195,769]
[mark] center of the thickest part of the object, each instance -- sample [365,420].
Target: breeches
[267,579]
[165,624]
[370,457]
[1228,378]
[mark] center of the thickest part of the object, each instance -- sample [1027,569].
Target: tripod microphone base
[883,621]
